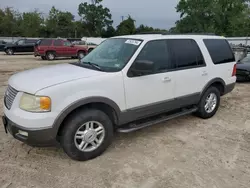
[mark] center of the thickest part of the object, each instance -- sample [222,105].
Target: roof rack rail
[152,32]
[211,34]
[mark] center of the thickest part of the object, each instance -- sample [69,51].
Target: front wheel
[209,103]
[87,134]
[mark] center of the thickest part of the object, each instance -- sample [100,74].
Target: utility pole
[122,18]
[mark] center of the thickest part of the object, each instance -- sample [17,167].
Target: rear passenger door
[59,48]
[191,73]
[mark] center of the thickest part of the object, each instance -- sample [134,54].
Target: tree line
[223,17]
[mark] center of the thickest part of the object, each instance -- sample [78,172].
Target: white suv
[125,84]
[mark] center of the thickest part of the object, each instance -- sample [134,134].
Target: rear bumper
[32,137]
[229,88]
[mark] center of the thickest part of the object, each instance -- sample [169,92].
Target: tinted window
[219,50]
[157,52]
[30,41]
[186,53]
[66,43]
[45,42]
[20,42]
[57,43]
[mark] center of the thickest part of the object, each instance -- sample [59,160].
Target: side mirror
[142,67]
[72,45]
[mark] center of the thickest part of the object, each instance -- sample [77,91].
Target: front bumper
[32,137]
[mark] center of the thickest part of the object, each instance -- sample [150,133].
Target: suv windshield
[112,54]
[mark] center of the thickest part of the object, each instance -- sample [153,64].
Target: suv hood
[33,80]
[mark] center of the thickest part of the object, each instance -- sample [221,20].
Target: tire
[10,51]
[43,57]
[50,56]
[71,144]
[204,112]
[81,54]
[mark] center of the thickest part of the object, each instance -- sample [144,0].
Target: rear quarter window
[219,50]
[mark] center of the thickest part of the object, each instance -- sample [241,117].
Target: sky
[155,13]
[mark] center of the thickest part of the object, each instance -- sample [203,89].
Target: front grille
[9,97]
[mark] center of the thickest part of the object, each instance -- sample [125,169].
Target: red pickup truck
[49,49]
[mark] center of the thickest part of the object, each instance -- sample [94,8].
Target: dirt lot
[185,152]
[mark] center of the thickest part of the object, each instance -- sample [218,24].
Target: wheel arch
[107,105]
[216,82]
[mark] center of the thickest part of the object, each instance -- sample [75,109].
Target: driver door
[154,93]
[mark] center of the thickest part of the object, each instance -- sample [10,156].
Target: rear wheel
[50,56]
[10,51]
[209,103]
[87,134]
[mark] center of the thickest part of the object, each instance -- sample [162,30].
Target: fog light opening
[23,133]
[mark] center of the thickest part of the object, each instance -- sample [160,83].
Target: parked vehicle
[2,45]
[125,84]
[22,45]
[89,45]
[243,69]
[51,48]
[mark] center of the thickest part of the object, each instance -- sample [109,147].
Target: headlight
[34,103]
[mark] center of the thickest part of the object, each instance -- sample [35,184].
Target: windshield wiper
[93,65]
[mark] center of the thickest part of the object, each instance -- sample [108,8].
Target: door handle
[204,73]
[166,79]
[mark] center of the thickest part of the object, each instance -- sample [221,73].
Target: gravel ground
[184,152]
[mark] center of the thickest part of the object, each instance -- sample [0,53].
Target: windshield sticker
[134,42]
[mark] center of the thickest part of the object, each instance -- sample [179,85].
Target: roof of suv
[161,36]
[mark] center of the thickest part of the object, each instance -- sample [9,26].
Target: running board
[134,127]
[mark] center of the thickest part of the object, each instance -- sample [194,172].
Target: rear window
[45,42]
[219,50]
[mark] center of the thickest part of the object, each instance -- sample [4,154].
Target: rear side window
[57,43]
[45,42]
[30,41]
[185,53]
[219,50]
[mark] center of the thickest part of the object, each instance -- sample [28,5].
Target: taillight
[234,70]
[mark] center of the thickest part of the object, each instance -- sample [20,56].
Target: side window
[30,41]
[20,42]
[66,43]
[157,52]
[57,43]
[45,42]
[219,50]
[185,53]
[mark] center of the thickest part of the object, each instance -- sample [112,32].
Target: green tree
[10,22]
[109,32]
[218,16]
[126,27]
[31,24]
[60,24]
[95,17]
